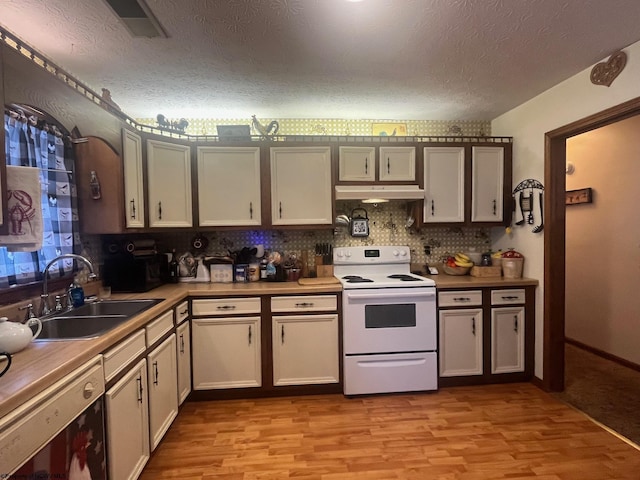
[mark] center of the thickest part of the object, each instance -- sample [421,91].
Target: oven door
[389,320]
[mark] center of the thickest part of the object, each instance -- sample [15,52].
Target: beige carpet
[606,391]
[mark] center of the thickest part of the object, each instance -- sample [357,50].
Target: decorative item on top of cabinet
[266,132]
[97,159]
[604,73]
[229,186]
[169,172]
[301,186]
[133,186]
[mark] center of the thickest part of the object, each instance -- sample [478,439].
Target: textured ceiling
[377,59]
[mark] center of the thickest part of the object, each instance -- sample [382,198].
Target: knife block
[324,270]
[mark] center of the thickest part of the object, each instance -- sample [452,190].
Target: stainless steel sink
[92,319]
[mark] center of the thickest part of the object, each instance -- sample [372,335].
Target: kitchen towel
[24,210]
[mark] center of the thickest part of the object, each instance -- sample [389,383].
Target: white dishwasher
[40,439]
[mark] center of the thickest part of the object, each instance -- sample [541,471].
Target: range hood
[379,192]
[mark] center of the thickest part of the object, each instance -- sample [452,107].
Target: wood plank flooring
[513,431]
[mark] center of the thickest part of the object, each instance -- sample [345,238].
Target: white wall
[602,251]
[571,100]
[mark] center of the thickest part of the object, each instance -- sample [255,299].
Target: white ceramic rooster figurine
[267,131]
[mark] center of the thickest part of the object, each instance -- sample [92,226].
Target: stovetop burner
[405,278]
[356,279]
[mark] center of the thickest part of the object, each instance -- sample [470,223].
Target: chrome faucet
[45,274]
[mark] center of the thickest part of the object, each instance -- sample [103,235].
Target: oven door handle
[377,296]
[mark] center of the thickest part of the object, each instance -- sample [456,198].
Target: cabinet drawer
[462,298]
[122,354]
[300,303]
[507,297]
[160,326]
[182,312]
[226,306]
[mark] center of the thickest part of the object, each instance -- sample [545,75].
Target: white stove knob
[340,254]
[395,253]
[403,253]
[348,254]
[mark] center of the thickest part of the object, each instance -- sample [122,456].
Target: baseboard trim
[538,383]
[603,354]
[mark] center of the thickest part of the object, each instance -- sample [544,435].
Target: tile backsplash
[387,226]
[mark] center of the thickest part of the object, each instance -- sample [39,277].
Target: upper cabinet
[468,184]
[444,184]
[3,161]
[169,170]
[229,186]
[133,186]
[360,164]
[397,164]
[357,164]
[487,181]
[301,188]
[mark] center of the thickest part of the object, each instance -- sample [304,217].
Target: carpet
[606,391]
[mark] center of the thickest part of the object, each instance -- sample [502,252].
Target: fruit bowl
[455,270]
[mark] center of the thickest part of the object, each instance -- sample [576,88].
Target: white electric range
[389,321]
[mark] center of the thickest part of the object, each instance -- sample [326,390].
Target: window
[32,143]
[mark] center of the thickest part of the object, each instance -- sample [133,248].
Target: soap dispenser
[76,293]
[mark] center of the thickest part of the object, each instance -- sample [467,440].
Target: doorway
[555,235]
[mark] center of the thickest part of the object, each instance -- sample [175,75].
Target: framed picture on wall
[389,129]
[582,195]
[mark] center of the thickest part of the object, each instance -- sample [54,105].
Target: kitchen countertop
[43,363]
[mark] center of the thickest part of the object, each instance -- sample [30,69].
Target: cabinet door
[444,184]
[163,389]
[301,192]
[133,187]
[127,420]
[183,341]
[357,164]
[487,184]
[3,162]
[305,349]
[397,164]
[507,339]
[229,186]
[169,169]
[460,349]
[226,353]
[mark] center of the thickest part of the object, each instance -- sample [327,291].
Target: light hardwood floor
[470,433]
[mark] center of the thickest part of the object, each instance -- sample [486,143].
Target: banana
[463,264]
[462,257]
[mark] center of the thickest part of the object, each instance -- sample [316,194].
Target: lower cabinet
[226,352]
[163,389]
[127,423]
[305,349]
[485,336]
[460,342]
[183,346]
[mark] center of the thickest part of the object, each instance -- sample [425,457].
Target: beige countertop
[43,363]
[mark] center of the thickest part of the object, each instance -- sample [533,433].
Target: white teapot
[16,336]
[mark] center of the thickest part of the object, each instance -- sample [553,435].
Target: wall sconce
[570,168]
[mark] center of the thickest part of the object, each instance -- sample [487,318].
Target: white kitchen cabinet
[357,164]
[301,186]
[507,339]
[460,348]
[487,181]
[163,389]
[305,349]
[127,421]
[397,164]
[183,345]
[133,183]
[444,184]
[229,186]
[226,353]
[169,174]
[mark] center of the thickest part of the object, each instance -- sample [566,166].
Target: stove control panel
[371,255]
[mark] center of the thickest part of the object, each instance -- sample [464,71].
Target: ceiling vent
[138,18]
